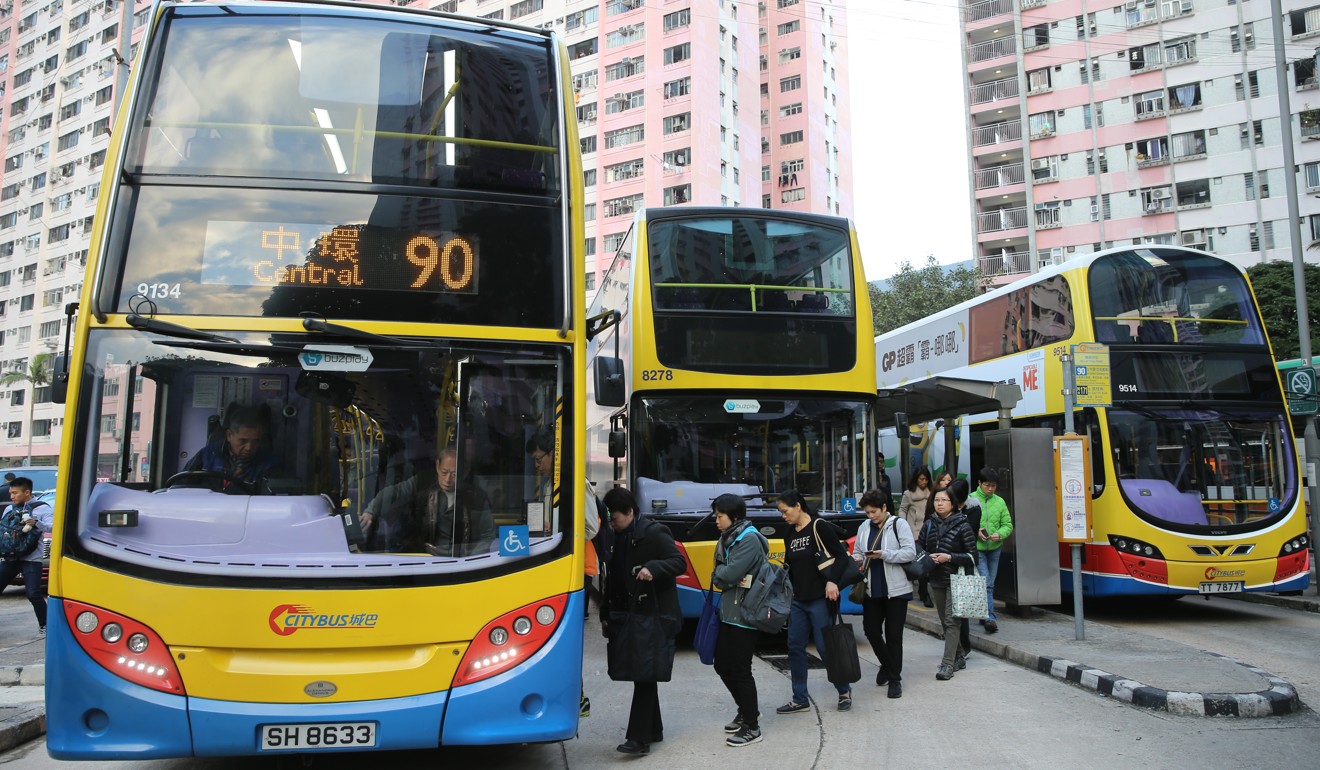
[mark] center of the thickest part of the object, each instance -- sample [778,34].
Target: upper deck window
[749,264]
[1162,296]
[260,93]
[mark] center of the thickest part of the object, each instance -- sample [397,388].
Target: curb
[1290,602]
[1281,697]
[26,724]
[23,676]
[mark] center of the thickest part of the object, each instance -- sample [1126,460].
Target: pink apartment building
[1154,121]
[709,102]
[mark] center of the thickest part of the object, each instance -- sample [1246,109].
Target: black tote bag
[641,645]
[841,663]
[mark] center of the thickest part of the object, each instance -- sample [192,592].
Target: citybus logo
[1212,573]
[287,618]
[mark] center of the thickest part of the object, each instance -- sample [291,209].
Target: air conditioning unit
[1193,237]
[1040,164]
[1130,6]
[627,60]
[1161,194]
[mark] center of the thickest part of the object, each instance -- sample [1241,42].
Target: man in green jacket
[996,526]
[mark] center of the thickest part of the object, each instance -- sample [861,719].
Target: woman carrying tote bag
[951,543]
[740,552]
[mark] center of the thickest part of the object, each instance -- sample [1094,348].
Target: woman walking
[740,552]
[815,592]
[951,544]
[884,543]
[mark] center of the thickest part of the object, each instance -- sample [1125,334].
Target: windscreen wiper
[142,316]
[315,322]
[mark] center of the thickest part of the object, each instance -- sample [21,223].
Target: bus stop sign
[1300,385]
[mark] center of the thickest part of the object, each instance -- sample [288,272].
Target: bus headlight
[112,632]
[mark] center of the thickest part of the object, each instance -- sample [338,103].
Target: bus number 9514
[655,375]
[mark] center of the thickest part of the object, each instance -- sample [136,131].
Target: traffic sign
[1301,387]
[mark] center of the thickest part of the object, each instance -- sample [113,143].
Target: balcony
[1005,88]
[996,133]
[992,49]
[1003,219]
[999,176]
[1005,263]
[988,9]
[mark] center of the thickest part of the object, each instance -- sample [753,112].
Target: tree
[914,294]
[1277,296]
[38,374]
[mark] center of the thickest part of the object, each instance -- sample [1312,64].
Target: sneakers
[793,708]
[584,707]
[845,701]
[745,736]
[991,627]
[959,662]
[735,725]
[945,673]
[895,689]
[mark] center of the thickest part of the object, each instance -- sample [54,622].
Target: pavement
[1141,670]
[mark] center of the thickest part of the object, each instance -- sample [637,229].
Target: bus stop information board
[1072,485]
[1091,365]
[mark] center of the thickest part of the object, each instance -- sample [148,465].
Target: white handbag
[967,594]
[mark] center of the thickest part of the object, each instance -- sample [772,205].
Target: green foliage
[38,373]
[914,294]
[1277,296]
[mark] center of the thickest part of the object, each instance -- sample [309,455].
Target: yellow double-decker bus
[1195,484]
[334,301]
[737,358]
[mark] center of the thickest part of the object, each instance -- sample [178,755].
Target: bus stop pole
[1069,388]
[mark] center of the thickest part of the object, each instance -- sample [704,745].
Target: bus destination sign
[352,256]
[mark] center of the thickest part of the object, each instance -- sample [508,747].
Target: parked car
[43,479]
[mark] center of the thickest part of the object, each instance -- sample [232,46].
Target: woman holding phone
[884,543]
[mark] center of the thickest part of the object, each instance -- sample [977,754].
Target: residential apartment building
[708,102]
[1094,125]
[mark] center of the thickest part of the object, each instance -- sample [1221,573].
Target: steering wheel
[214,478]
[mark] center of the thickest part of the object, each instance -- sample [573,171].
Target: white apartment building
[1147,121]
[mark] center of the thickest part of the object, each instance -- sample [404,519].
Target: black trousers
[734,648]
[882,622]
[644,723]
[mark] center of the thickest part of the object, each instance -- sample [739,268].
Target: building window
[790,110]
[626,205]
[677,195]
[792,137]
[525,7]
[625,68]
[678,53]
[793,195]
[676,88]
[624,136]
[673,21]
[624,171]
[789,27]
[791,83]
[674,124]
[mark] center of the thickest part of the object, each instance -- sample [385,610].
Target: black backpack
[14,542]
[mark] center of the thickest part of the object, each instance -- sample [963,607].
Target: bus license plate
[317,735]
[1228,587]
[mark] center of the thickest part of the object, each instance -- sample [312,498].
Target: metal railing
[987,9]
[1005,263]
[1005,88]
[1002,219]
[993,49]
[1000,176]
[1008,131]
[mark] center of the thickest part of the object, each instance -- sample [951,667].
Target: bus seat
[814,303]
[1162,499]
[774,300]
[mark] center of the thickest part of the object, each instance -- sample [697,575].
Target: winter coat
[648,545]
[896,547]
[994,518]
[953,536]
[913,507]
[740,552]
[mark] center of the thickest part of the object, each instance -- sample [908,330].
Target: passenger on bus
[242,452]
[427,514]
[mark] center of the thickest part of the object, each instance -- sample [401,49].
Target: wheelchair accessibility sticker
[849,505]
[514,540]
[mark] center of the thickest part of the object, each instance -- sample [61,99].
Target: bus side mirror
[609,385]
[618,444]
[59,380]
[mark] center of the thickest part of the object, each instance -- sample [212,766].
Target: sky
[910,176]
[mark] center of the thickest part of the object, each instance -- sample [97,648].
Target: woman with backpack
[739,554]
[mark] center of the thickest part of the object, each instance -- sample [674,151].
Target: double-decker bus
[732,362]
[334,292]
[1194,471]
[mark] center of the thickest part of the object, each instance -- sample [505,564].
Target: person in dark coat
[641,576]
[951,543]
